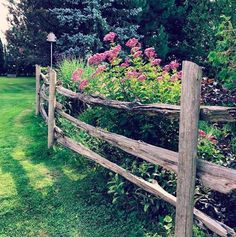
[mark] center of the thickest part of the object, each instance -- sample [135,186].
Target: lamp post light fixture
[51,38]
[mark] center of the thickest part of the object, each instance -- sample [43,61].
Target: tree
[30,24]
[2,58]
[200,29]
[161,24]
[82,24]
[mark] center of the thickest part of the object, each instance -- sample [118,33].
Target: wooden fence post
[37,101]
[188,137]
[51,106]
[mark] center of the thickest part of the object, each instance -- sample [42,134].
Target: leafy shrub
[138,77]
[135,77]
[213,93]
[224,55]
[66,68]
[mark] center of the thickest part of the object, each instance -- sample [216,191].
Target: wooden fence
[184,163]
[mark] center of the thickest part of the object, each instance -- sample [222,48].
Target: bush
[223,58]
[134,77]
[138,76]
[66,68]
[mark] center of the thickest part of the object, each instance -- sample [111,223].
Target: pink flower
[132,43]
[83,84]
[113,53]
[99,70]
[135,49]
[150,53]
[180,74]
[201,133]
[132,74]
[174,64]
[76,76]
[166,68]
[156,62]
[159,78]
[125,64]
[142,77]
[209,137]
[109,37]
[212,139]
[137,54]
[174,77]
[97,58]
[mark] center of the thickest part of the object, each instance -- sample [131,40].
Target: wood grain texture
[208,113]
[37,88]
[45,78]
[51,107]
[211,175]
[153,188]
[188,139]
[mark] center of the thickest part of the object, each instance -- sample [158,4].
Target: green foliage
[137,78]
[223,57]
[27,37]
[161,25]
[199,31]
[66,68]
[208,146]
[82,24]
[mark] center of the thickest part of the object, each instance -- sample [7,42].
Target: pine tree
[2,58]
[82,24]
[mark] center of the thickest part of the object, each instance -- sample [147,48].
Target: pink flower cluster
[156,62]
[132,43]
[132,74]
[210,137]
[107,55]
[150,53]
[110,37]
[174,64]
[97,58]
[113,53]
[142,77]
[125,63]
[100,69]
[135,74]
[177,76]
[77,75]
[83,84]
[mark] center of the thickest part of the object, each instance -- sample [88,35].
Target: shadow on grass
[53,194]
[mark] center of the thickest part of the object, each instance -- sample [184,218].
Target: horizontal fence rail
[208,113]
[213,176]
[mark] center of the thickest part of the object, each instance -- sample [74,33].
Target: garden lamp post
[51,38]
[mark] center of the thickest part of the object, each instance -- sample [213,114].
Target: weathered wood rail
[208,113]
[213,176]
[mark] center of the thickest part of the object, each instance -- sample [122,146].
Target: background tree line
[179,29]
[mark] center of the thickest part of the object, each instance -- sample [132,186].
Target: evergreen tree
[27,45]
[161,24]
[82,24]
[2,59]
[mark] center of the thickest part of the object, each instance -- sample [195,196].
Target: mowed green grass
[48,192]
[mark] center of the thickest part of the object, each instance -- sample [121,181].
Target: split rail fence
[184,162]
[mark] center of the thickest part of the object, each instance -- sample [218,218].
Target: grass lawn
[42,192]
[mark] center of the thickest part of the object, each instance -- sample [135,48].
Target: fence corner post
[188,138]
[51,106]
[37,88]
